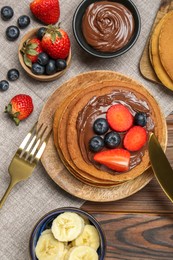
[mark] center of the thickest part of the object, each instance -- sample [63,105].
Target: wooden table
[140,226]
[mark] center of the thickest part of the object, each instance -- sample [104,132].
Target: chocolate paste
[96,108]
[107,26]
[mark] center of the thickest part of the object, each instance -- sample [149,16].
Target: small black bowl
[77,29]
[46,221]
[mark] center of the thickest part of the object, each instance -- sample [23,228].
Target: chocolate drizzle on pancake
[97,107]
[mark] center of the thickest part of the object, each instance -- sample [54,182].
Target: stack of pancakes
[161,50]
[66,137]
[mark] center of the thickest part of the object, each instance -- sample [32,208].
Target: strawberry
[56,43]
[19,108]
[115,159]
[119,118]
[30,50]
[135,138]
[47,11]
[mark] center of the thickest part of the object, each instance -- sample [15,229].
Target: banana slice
[48,248]
[89,237]
[81,252]
[67,226]
[46,231]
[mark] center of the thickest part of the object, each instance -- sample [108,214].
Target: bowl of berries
[45,53]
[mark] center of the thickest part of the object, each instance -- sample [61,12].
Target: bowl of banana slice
[67,234]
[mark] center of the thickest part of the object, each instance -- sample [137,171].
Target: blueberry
[112,139]
[96,143]
[4,85]
[38,69]
[140,119]
[6,13]
[13,74]
[12,33]
[41,32]
[100,126]
[43,58]
[60,64]
[23,21]
[50,67]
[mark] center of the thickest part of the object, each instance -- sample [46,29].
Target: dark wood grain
[140,226]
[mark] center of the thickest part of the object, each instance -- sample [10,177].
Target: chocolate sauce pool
[96,108]
[107,26]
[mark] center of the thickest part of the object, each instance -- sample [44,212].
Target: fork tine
[39,145]
[36,145]
[26,139]
[42,147]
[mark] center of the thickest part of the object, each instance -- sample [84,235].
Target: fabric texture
[33,198]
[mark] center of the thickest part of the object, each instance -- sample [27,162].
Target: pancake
[72,147]
[166,44]
[155,55]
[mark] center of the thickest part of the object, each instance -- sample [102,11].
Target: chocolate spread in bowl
[107,26]
[96,108]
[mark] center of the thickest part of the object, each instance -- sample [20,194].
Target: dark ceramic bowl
[46,221]
[77,29]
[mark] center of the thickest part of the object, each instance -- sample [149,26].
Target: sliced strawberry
[119,118]
[115,159]
[135,138]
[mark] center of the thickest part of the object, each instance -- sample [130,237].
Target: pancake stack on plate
[161,50]
[73,125]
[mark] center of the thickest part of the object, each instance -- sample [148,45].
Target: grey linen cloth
[31,199]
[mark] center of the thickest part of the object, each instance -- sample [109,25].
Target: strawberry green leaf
[53,37]
[32,52]
[8,109]
[27,61]
[16,114]
[16,120]
[32,45]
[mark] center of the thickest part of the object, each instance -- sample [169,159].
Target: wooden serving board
[145,66]
[52,163]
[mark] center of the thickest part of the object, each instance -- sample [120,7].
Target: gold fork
[27,156]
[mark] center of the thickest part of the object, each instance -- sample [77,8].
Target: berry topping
[12,33]
[47,11]
[43,58]
[19,108]
[37,69]
[115,159]
[60,64]
[6,13]
[112,139]
[140,119]
[100,126]
[96,143]
[135,138]
[4,85]
[56,43]
[119,118]
[12,74]
[23,21]
[50,67]
[41,32]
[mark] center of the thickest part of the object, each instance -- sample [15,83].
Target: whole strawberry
[19,108]
[56,43]
[47,11]
[30,50]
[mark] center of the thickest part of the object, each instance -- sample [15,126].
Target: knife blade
[161,166]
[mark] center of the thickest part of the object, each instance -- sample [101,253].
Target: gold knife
[161,166]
